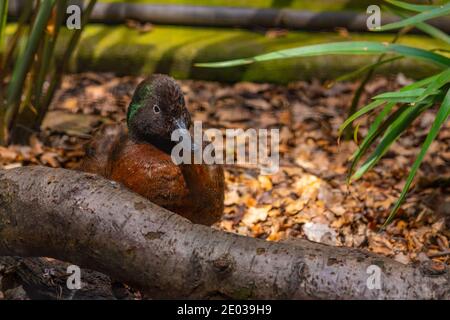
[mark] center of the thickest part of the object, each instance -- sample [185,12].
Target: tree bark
[98,224]
[45,279]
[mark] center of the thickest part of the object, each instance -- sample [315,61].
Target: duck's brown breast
[193,191]
[149,172]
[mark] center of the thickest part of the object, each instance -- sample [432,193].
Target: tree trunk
[98,224]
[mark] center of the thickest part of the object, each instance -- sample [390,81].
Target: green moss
[175,49]
[331,5]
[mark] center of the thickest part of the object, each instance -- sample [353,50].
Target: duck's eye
[156,109]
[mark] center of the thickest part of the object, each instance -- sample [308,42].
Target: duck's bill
[181,125]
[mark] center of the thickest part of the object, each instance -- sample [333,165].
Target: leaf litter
[308,197]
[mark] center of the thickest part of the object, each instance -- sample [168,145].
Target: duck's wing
[206,185]
[99,149]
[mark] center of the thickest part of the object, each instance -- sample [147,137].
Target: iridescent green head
[157,109]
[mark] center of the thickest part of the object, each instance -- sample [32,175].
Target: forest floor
[308,197]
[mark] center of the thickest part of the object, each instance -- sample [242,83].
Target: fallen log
[98,224]
[45,279]
[232,17]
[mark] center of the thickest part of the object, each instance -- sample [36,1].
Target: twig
[439,254]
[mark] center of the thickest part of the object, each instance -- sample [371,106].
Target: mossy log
[335,5]
[175,50]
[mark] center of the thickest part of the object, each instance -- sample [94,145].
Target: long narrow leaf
[51,37]
[379,119]
[441,117]
[3,16]
[433,31]
[337,48]
[379,125]
[412,7]
[400,94]
[25,15]
[373,105]
[25,60]
[359,91]
[425,27]
[442,79]
[375,131]
[410,96]
[440,11]
[420,83]
[392,134]
[57,75]
[360,113]
[412,100]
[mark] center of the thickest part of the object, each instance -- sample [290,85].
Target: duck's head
[156,110]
